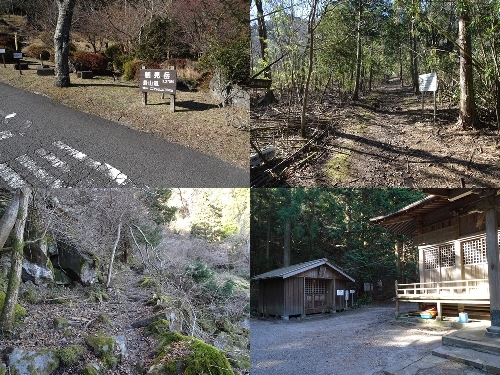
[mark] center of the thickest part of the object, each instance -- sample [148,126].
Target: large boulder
[228,93]
[77,265]
[29,362]
[37,273]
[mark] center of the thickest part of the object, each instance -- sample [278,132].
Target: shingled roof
[286,272]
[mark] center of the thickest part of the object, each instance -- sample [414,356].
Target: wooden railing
[472,287]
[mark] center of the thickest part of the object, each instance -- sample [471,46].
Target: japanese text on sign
[427,82]
[158,80]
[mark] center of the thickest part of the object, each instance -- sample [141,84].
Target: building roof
[442,203]
[286,272]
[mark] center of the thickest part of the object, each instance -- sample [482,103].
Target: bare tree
[7,315]
[61,42]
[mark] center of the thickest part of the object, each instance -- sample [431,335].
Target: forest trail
[384,140]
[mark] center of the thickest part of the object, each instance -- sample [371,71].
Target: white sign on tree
[428,82]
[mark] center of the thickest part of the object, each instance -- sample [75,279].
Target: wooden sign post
[2,52]
[19,56]
[158,80]
[428,82]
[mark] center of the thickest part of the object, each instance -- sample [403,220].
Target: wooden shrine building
[302,289]
[457,235]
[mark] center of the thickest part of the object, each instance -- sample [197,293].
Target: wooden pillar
[493,267]
[397,300]
[439,311]
[145,98]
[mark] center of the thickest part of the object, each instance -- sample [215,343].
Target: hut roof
[286,272]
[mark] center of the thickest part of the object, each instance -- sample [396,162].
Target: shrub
[113,51]
[35,51]
[90,61]
[119,62]
[130,69]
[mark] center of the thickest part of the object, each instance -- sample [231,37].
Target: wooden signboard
[157,80]
[428,82]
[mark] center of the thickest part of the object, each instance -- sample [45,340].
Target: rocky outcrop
[37,273]
[228,93]
[77,265]
[28,362]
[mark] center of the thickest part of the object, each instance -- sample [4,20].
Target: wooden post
[422,103]
[172,103]
[19,66]
[397,300]
[434,107]
[439,311]
[3,59]
[493,267]
[145,98]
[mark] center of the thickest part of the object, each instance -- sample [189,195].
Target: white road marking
[6,134]
[53,160]
[11,115]
[40,173]
[10,177]
[113,173]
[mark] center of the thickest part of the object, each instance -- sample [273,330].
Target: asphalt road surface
[46,144]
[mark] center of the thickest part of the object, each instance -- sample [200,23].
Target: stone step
[484,361]
[473,339]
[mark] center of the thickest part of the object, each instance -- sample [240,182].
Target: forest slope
[386,140]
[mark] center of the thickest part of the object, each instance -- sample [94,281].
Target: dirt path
[384,141]
[357,342]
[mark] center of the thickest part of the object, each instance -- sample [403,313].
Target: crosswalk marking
[53,159]
[10,177]
[113,173]
[6,134]
[39,173]
[31,163]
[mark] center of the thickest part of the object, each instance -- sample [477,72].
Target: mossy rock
[60,323]
[19,311]
[186,355]
[3,369]
[159,328]
[71,354]
[90,369]
[104,347]
[42,362]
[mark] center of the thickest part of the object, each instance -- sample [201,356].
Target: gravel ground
[361,341]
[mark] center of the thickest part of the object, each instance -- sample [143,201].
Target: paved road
[46,144]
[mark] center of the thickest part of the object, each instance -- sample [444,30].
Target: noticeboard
[158,80]
[2,50]
[427,82]
[340,292]
[18,55]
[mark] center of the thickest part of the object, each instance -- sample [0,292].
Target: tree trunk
[355,95]
[9,219]
[310,30]
[261,22]
[287,242]
[414,60]
[113,252]
[61,42]
[7,316]
[468,114]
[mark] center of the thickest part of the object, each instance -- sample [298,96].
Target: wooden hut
[457,234]
[302,289]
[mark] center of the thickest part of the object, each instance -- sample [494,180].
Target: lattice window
[431,257]
[474,251]
[447,255]
[315,286]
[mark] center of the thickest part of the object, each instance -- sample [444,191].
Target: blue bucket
[463,317]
